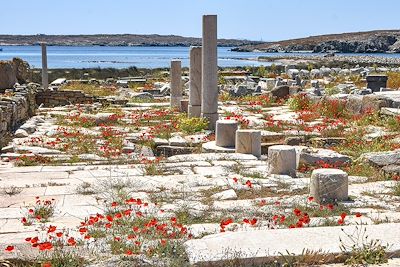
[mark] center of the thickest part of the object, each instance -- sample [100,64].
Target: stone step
[261,246]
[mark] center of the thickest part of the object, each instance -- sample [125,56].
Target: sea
[129,56]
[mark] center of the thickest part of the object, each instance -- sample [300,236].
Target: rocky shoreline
[347,59]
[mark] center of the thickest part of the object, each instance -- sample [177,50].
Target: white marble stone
[194,109]
[248,142]
[225,133]
[45,77]
[176,81]
[329,185]
[209,103]
[282,160]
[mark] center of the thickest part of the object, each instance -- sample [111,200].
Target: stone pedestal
[195,82]
[248,142]
[329,185]
[45,77]
[176,84]
[225,133]
[209,103]
[282,160]
[184,105]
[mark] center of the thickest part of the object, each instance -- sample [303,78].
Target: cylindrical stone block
[209,103]
[225,133]
[195,82]
[248,142]
[329,185]
[45,77]
[282,160]
[176,83]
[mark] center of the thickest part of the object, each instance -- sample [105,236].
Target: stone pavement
[258,247]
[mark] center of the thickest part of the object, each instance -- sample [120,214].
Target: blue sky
[245,19]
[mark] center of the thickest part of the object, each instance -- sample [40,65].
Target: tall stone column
[176,83]
[209,103]
[195,82]
[45,77]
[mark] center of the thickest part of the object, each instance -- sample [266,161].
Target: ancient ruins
[201,166]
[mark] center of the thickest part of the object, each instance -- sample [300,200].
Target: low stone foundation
[55,98]
[61,98]
[14,110]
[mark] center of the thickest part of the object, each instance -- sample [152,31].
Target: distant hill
[114,40]
[383,41]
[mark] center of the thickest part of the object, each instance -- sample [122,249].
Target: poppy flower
[9,248]
[46,264]
[310,199]
[330,206]
[59,234]
[235,180]
[343,215]
[249,184]
[358,215]
[297,212]
[128,252]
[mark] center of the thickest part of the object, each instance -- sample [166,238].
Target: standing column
[195,82]
[176,82]
[45,77]
[209,103]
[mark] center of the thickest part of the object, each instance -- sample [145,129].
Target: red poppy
[249,184]
[343,215]
[358,215]
[52,229]
[253,221]
[330,206]
[46,264]
[128,252]
[9,248]
[235,179]
[297,212]
[71,241]
[310,199]
[59,234]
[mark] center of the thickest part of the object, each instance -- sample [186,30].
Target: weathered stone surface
[329,185]
[211,147]
[225,133]
[7,75]
[195,74]
[314,156]
[209,60]
[282,160]
[225,195]
[176,81]
[380,159]
[280,91]
[255,248]
[248,142]
[20,133]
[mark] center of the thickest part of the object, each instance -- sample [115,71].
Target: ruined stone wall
[63,97]
[15,108]
[71,97]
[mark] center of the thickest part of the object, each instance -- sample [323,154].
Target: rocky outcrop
[359,42]
[12,72]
